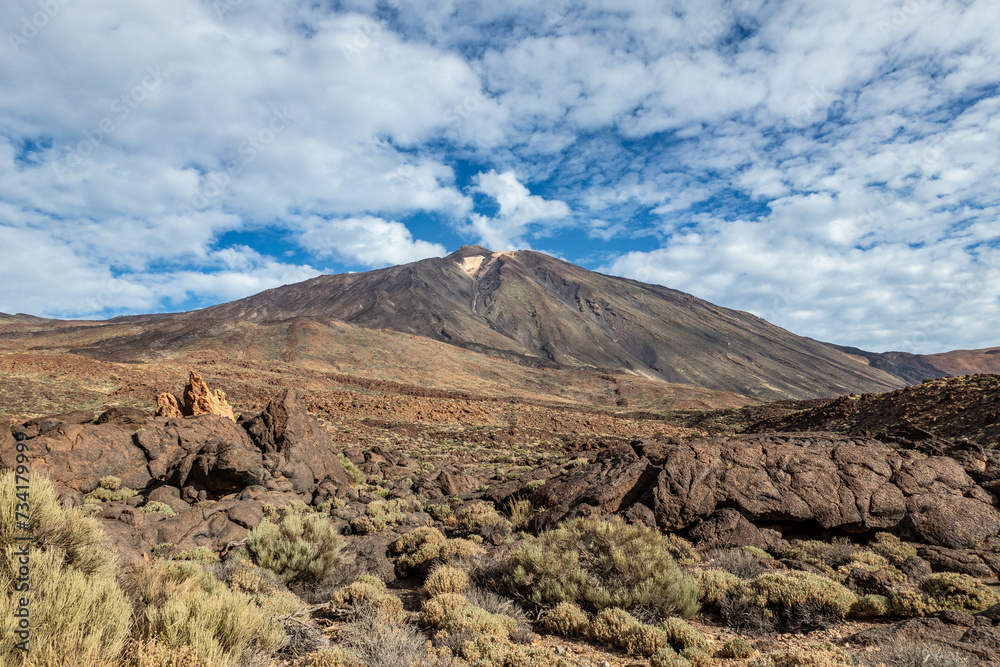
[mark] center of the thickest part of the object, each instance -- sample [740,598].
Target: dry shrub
[445,579]
[425,545]
[738,563]
[521,510]
[78,613]
[714,585]
[378,641]
[333,657]
[566,620]
[599,565]
[737,649]
[304,550]
[618,627]
[814,657]
[482,519]
[789,601]
[369,595]
[951,590]
[180,604]
[154,654]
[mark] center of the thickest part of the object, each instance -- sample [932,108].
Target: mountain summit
[537,310]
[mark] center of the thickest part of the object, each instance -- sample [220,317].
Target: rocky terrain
[496,460]
[888,497]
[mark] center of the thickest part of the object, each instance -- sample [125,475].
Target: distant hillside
[539,311]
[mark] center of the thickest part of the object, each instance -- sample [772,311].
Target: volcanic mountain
[536,310]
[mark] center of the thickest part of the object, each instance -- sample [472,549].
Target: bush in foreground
[304,550]
[599,565]
[78,613]
[180,604]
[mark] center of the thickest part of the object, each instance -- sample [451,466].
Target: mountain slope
[538,310]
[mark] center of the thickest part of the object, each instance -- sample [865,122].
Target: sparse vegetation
[304,550]
[601,564]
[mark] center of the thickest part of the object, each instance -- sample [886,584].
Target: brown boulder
[209,452]
[614,482]
[41,425]
[837,482]
[295,448]
[727,528]
[76,457]
[123,416]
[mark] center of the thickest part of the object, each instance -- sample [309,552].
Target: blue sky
[831,167]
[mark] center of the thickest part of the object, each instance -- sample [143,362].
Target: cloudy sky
[832,167]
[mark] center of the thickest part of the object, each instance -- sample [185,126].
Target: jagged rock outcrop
[213,474]
[167,406]
[208,453]
[77,456]
[814,480]
[295,450]
[198,400]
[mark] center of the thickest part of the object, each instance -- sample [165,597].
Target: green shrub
[790,601]
[426,544]
[892,548]
[601,564]
[871,606]
[737,649]
[697,657]
[383,513]
[790,588]
[263,586]
[200,554]
[566,620]
[482,519]
[683,635]
[756,552]
[667,657]
[911,602]
[357,477]
[156,507]
[681,550]
[445,579]
[610,624]
[714,585]
[111,483]
[434,610]
[78,613]
[438,512]
[950,590]
[180,604]
[304,550]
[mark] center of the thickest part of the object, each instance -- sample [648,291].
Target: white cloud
[369,241]
[840,157]
[519,211]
